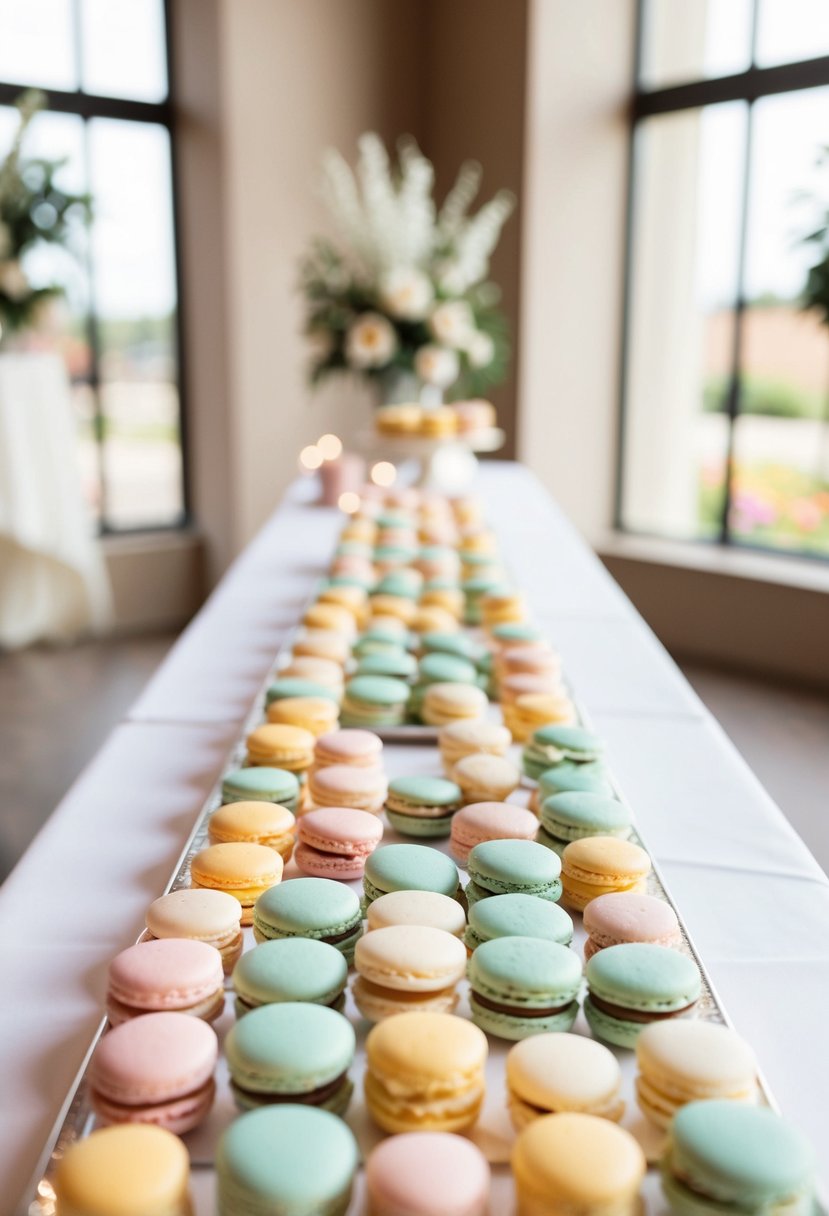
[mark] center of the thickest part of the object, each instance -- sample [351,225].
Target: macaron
[172,974]
[292,686]
[517,684]
[422,805]
[517,915]
[445,594]
[380,639]
[727,1158]
[634,984]
[291,969]
[334,842]
[313,715]
[155,1069]
[553,1073]
[575,1162]
[425,1072]
[261,785]
[291,1052]
[486,778]
[397,663]
[318,671]
[417,908]
[598,865]
[459,739]
[592,776]
[476,586]
[244,871]
[329,616]
[359,748]
[213,917]
[498,867]
[131,1170]
[689,1060]
[404,967]
[267,823]
[282,746]
[521,986]
[517,633]
[374,701]
[427,1174]
[537,659]
[480,821]
[501,604]
[409,867]
[360,787]
[629,916]
[401,607]
[290,1159]
[445,703]
[318,908]
[532,710]
[461,645]
[577,814]
[323,644]
[438,667]
[554,744]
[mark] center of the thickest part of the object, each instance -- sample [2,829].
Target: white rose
[13,281]
[480,349]
[437,365]
[452,324]
[371,341]
[406,293]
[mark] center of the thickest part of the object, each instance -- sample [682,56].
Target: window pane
[135,295]
[789,30]
[124,49]
[782,441]
[684,41]
[688,177]
[37,44]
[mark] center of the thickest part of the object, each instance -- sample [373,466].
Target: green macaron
[397,663]
[318,908]
[512,632]
[403,583]
[379,641]
[521,986]
[290,969]
[290,1159]
[458,644]
[474,590]
[291,1052]
[374,701]
[261,784]
[555,744]
[579,813]
[592,777]
[295,686]
[409,867]
[517,915]
[499,867]
[725,1158]
[636,983]
[422,805]
[439,667]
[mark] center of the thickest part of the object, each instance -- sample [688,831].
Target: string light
[311,457]
[331,446]
[383,473]
[349,502]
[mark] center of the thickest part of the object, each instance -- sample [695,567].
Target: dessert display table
[754,900]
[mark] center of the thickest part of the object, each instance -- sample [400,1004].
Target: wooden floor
[58,706]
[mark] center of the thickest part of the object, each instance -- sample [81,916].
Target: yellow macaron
[266,823]
[532,710]
[324,615]
[281,744]
[314,716]
[245,871]
[598,865]
[129,1170]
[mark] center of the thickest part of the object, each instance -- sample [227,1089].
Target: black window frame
[748,86]
[161,113]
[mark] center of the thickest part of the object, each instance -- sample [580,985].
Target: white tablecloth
[754,899]
[53,583]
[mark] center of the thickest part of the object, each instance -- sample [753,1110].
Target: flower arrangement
[32,209]
[407,290]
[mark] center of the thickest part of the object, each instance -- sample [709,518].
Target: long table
[754,899]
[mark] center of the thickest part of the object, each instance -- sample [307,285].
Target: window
[104,67]
[725,388]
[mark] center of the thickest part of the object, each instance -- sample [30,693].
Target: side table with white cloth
[53,582]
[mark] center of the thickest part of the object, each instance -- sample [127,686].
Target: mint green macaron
[289,1160]
[374,701]
[318,908]
[554,744]
[579,813]
[422,806]
[403,583]
[636,983]
[290,969]
[291,1051]
[499,867]
[409,867]
[397,663]
[438,667]
[725,1157]
[295,686]
[458,644]
[517,915]
[510,632]
[591,776]
[261,784]
[379,641]
[522,986]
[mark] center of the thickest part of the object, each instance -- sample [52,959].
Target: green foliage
[770,398]
[816,290]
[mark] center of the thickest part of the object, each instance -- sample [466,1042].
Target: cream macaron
[486,778]
[683,1061]
[407,967]
[551,1073]
[459,739]
[417,908]
[213,917]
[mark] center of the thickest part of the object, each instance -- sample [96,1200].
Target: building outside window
[725,396]
[104,67]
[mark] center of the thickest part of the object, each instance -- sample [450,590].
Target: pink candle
[338,476]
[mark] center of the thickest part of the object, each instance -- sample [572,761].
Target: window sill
[157,578]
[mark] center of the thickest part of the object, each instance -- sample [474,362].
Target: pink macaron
[359,748]
[174,974]
[155,1069]
[512,686]
[626,916]
[362,789]
[531,660]
[480,821]
[335,841]
[427,1174]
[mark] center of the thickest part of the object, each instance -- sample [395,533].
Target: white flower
[13,281]
[437,365]
[452,324]
[371,341]
[406,293]
[480,349]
